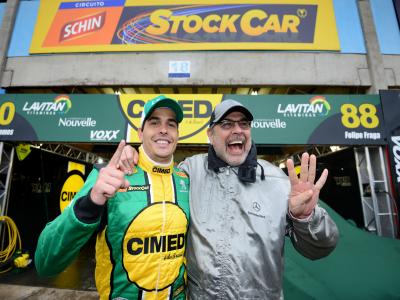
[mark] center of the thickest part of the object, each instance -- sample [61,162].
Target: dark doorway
[341,191]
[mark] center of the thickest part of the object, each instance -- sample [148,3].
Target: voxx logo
[103,135]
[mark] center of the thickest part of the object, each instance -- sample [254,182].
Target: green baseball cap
[161,101]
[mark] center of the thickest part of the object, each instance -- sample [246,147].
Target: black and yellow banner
[128,25]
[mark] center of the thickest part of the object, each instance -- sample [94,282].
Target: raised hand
[128,159]
[304,193]
[110,179]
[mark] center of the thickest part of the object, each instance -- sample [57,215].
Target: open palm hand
[304,193]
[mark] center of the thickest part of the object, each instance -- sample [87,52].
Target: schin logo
[82,27]
[61,105]
[318,107]
[103,135]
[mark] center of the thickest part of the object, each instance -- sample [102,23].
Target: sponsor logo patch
[181,174]
[153,252]
[161,170]
[136,188]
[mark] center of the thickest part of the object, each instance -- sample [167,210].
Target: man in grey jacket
[241,209]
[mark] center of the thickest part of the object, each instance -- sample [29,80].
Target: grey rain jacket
[237,232]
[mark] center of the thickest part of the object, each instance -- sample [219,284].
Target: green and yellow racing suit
[141,243]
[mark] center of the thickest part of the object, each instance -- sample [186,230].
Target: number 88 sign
[364,116]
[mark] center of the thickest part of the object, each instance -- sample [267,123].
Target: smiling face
[159,135]
[232,145]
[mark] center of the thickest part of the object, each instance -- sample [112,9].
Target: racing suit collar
[150,166]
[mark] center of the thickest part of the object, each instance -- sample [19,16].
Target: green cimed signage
[283,119]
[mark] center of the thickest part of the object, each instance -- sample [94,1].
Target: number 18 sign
[179,69]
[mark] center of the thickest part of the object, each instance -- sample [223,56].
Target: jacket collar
[246,171]
[150,166]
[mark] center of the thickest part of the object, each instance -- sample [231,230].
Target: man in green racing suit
[141,219]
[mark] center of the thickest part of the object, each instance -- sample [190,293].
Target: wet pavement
[75,282]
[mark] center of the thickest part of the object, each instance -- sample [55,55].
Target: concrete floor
[75,282]
[20,292]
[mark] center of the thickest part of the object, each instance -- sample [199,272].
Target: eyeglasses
[229,124]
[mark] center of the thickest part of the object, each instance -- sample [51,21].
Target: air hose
[11,255]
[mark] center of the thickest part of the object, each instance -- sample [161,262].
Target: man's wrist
[86,210]
[97,198]
[302,218]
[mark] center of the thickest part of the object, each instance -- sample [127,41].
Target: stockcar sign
[117,25]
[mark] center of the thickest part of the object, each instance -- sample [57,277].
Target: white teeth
[162,142]
[236,142]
